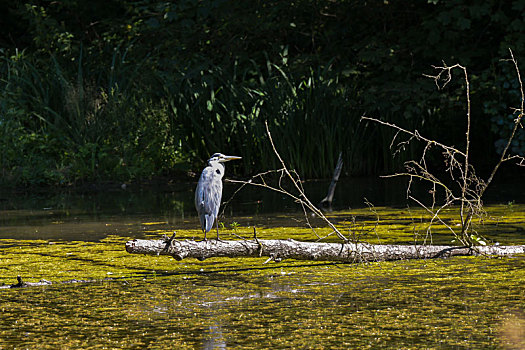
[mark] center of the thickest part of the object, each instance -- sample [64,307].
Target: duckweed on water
[457,303]
[158,302]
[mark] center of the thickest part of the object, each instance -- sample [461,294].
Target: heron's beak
[228,158]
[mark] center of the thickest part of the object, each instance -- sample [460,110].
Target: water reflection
[214,338]
[92,215]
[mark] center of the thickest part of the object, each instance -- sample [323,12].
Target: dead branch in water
[327,201]
[299,197]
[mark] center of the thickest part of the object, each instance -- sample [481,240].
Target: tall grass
[68,122]
[313,118]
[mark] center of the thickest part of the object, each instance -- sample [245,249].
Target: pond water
[130,301]
[93,214]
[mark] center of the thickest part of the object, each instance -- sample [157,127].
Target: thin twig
[415,134]
[301,198]
[517,123]
[299,188]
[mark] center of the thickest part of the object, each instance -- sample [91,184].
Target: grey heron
[209,191]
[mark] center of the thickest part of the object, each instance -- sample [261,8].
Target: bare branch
[298,186]
[414,134]
[461,172]
[517,123]
[300,197]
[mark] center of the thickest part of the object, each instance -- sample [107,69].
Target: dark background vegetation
[131,90]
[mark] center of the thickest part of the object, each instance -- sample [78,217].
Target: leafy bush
[113,90]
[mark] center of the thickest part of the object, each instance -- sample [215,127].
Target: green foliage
[128,90]
[502,111]
[61,126]
[214,111]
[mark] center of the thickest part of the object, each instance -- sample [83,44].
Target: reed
[312,117]
[81,120]
[70,122]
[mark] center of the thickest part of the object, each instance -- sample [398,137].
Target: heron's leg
[204,240]
[217,224]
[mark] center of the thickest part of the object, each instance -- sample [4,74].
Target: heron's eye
[218,171]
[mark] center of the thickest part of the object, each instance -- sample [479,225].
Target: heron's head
[221,158]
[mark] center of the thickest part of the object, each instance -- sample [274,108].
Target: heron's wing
[208,197]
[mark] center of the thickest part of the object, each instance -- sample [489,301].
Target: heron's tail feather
[210,219]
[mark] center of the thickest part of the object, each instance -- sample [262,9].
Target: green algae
[384,225]
[457,303]
[158,302]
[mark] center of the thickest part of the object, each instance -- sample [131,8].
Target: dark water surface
[93,214]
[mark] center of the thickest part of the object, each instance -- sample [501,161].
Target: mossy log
[316,251]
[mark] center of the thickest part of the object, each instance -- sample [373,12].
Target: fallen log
[316,251]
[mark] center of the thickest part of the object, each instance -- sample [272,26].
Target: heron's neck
[218,165]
